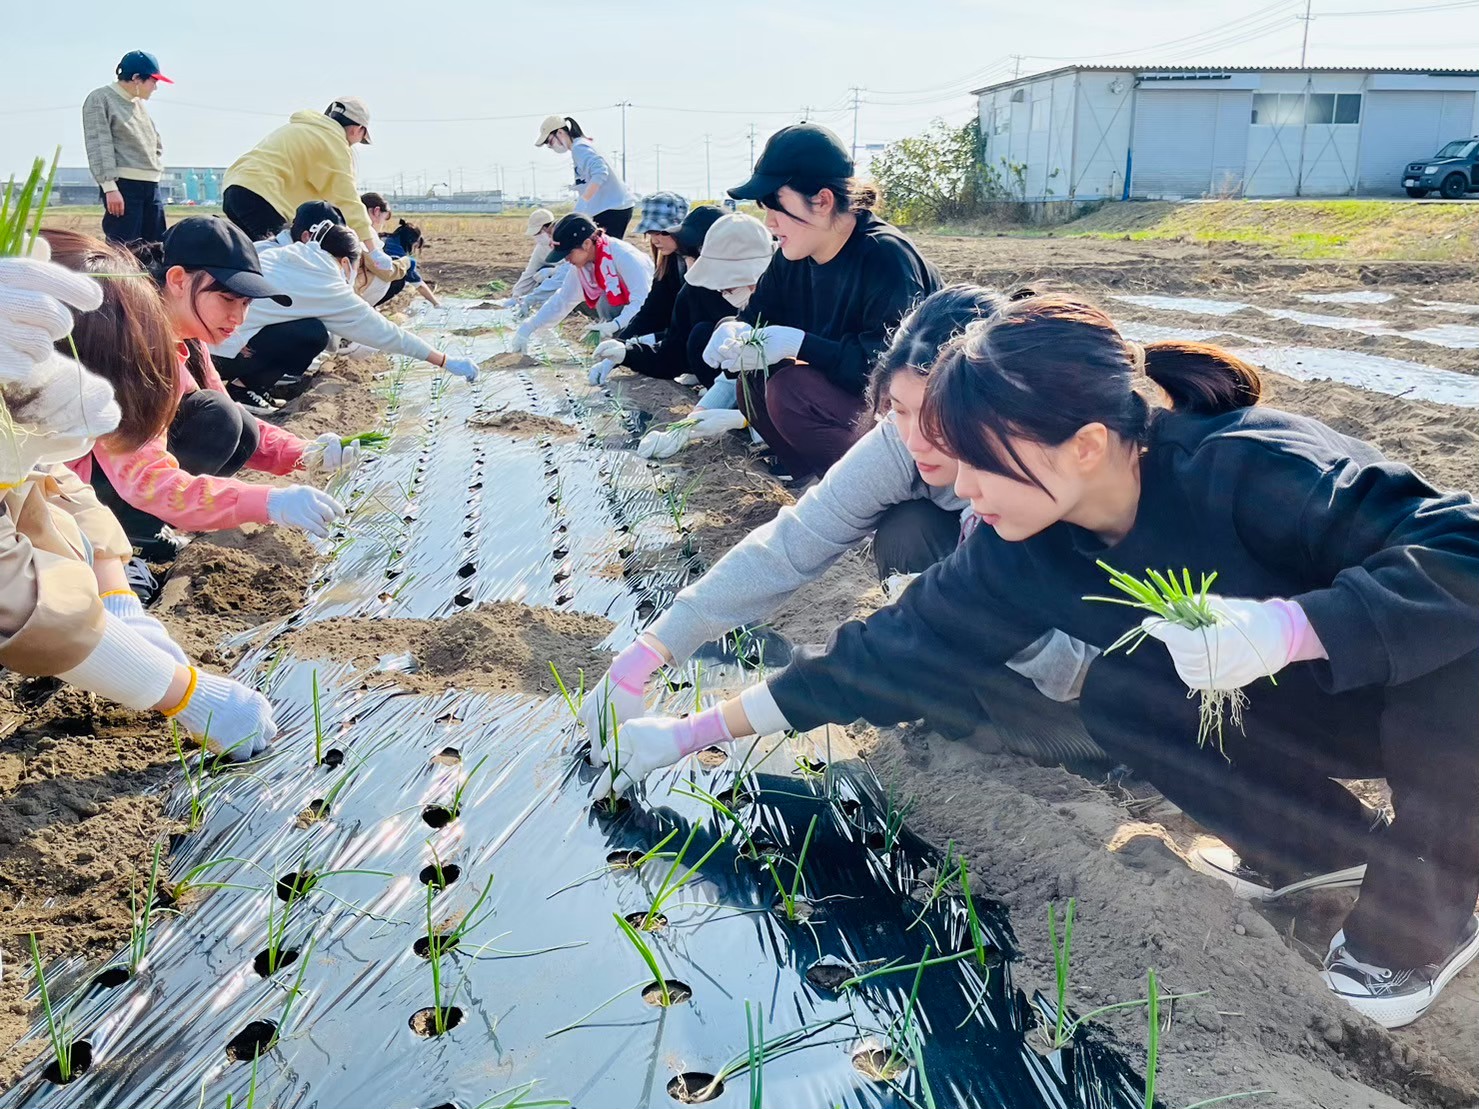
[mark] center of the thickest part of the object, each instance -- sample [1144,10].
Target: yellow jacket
[50,615]
[307,159]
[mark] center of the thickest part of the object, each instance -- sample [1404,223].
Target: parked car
[1453,171]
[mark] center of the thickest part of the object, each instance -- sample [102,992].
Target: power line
[1286,7]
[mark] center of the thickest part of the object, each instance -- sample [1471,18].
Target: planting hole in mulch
[872,1060]
[251,1041]
[463,599]
[811,765]
[333,758]
[422,947]
[710,757]
[423,1021]
[623,860]
[111,978]
[262,964]
[296,884]
[850,808]
[610,808]
[467,570]
[438,816]
[440,878]
[758,846]
[876,841]
[694,1087]
[636,920]
[316,811]
[447,756]
[804,911]
[736,797]
[828,973]
[81,1061]
[678,993]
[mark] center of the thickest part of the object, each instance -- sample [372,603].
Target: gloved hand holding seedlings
[330,454]
[605,329]
[701,423]
[612,350]
[1250,640]
[652,742]
[765,346]
[622,691]
[303,506]
[464,368]
[725,333]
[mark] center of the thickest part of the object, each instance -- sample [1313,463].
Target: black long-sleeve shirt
[1385,566]
[848,306]
[652,318]
[672,357]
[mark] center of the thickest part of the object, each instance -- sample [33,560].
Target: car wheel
[1454,186]
[1417,194]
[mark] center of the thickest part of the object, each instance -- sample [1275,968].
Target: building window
[1290,109]
[1040,114]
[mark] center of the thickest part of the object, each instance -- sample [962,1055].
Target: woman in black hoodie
[1344,579]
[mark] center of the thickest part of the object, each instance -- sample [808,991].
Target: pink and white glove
[652,742]
[623,689]
[1251,640]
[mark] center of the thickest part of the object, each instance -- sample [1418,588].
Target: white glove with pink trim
[623,690]
[652,742]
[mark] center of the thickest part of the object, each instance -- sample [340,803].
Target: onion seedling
[138,932]
[369,440]
[440,940]
[789,900]
[758,1052]
[16,208]
[195,781]
[58,1030]
[671,883]
[318,724]
[944,875]
[636,940]
[518,1094]
[898,1042]
[894,821]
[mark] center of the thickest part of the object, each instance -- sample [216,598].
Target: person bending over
[840,282]
[538,271]
[1341,575]
[599,192]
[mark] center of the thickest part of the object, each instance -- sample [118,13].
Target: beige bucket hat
[735,253]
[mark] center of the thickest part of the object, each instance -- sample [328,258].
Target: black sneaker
[1394,998]
[252,401]
[290,387]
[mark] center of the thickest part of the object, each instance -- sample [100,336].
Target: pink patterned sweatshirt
[151,480]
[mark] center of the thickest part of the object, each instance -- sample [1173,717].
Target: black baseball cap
[569,233]
[804,152]
[221,249]
[140,63]
[311,213]
[695,226]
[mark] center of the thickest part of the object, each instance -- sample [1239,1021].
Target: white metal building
[1111,132]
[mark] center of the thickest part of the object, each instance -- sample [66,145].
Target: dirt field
[81,782]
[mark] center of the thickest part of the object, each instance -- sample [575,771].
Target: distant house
[1116,132]
[180,185]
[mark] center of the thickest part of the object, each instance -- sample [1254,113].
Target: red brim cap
[162,77]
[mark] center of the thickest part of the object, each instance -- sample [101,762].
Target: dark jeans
[913,536]
[392,292]
[246,209]
[143,214]
[1274,801]
[276,350]
[613,221]
[807,420]
[211,434]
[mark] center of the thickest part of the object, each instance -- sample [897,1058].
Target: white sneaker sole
[1253,891]
[1399,1012]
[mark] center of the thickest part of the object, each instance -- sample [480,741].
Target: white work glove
[1251,640]
[701,423]
[738,356]
[781,343]
[303,506]
[726,331]
[622,689]
[464,368]
[612,350]
[605,329]
[519,344]
[228,717]
[600,371]
[34,295]
[126,606]
[652,742]
[328,454]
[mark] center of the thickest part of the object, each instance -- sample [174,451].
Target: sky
[456,94]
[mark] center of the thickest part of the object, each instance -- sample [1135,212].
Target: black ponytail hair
[1045,366]
[574,129]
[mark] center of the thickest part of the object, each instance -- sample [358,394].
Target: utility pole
[752,146]
[857,99]
[1308,18]
[708,171]
[805,112]
[1017,65]
[624,105]
[533,183]
[657,153]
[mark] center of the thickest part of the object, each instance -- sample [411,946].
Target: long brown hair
[1044,367]
[128,340]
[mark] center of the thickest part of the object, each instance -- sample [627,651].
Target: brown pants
[809,421]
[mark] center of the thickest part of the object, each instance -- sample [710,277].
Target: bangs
[965,415]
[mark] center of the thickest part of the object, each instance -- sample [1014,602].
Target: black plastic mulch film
[450,517]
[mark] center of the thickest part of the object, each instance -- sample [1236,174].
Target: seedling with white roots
[665,995]
[441,939]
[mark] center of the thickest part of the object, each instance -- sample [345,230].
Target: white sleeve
[346,314]
[560,305]
[528,279]
[638,279]
[124,667]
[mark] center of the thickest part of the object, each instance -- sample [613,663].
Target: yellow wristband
[116,593]
[185,700]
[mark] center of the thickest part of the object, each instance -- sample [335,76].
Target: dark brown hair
[1044,367]
[850,194]
[128,340]
[374,200]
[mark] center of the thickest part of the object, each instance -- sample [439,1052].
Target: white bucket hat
[538,220]
[736,252]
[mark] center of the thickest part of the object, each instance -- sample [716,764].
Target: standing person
[124,152]
[308,158]
[842,279]
[599,192]
[609,274]
[1343,574]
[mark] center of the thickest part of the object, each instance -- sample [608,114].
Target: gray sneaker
[1394,998]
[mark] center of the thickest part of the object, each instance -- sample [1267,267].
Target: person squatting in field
[66,609]
[1342,575]
[186,436]
[599,192]
[842,279]
[609,274]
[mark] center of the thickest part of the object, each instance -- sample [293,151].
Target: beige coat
[50,615]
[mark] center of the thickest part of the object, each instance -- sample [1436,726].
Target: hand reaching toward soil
[701,423]
[652,742]
[622,691]
[303,506]
[228,715]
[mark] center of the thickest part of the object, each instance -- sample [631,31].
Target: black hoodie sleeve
[923,656]
[656,311]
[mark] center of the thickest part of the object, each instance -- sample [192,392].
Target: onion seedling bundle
[370,440]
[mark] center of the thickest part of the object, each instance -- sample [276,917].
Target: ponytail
[1045,366]
[574,129]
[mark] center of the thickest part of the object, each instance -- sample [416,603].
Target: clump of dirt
[230,581]
[516,422]
[509,360]
[496,648]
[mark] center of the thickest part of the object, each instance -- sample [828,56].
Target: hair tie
[320,229]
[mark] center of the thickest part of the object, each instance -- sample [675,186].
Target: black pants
[246,209]
[211,434]
[913,536]
[613,221]
[393,291]
[275,350]
[143,214]
[1273,798]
